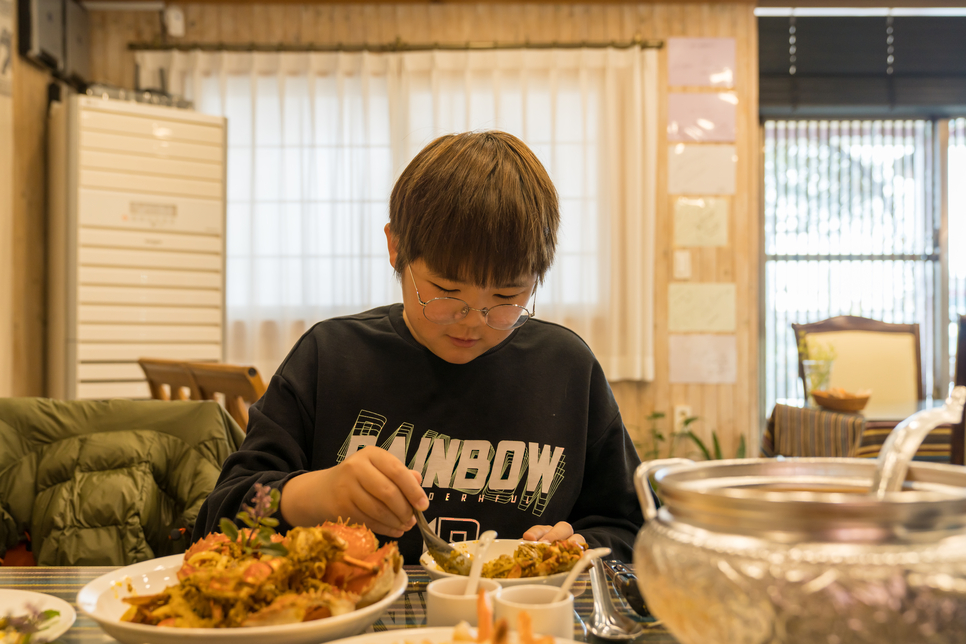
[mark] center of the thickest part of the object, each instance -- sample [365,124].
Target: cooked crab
[329,570]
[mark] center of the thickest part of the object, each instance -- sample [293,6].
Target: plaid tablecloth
[808,431]
[797,431]
[409,611]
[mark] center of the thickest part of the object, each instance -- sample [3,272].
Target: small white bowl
[497,548]
[447,605]
[547,617]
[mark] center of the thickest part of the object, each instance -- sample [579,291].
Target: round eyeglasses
[449,310]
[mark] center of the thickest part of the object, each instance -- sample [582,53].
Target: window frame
[942,360]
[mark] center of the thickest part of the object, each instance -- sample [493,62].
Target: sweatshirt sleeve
[278,445]
[607,512]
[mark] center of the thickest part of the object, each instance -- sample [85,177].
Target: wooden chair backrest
[241,385]
[863,331]
[169,379]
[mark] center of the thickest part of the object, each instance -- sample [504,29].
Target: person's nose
[474,318]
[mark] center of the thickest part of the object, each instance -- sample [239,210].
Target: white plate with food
[279,622]
[504,554]
[22,611]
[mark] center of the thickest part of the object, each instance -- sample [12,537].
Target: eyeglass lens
[446,310]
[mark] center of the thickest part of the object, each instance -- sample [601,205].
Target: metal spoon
[446,556]
[606,623]
[584,561]
[482,545]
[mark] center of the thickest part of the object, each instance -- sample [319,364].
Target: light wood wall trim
[8,271]
[27,341]
[730,410]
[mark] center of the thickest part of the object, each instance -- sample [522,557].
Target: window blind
[851,227]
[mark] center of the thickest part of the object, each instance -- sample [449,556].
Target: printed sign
[702,62]
[700,221]
[703,359]
[709,307]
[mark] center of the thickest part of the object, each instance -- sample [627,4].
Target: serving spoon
[585,560]
[901,445]
[482,545]
[444,554]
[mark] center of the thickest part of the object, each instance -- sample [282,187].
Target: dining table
[877,412]
[805,423]
[406,612]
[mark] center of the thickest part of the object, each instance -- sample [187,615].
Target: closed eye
[445,291]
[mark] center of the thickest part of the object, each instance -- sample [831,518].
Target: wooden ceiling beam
[759,3]
[385,2]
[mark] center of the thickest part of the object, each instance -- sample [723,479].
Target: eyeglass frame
[467,308]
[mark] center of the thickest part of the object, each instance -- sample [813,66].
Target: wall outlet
[681,413]
[682,264]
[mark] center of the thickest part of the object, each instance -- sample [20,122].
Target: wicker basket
[854,402]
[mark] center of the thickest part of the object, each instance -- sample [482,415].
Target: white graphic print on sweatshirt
[526,474]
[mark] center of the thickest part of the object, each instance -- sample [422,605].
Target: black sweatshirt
[528,433]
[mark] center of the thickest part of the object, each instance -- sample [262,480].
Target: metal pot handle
[642,478]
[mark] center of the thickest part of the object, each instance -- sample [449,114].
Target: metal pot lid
[812,498]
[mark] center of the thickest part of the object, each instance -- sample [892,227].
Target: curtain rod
[398,46]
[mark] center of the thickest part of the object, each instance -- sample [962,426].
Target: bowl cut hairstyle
[478,208]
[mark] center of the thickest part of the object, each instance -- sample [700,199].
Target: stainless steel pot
[798,551]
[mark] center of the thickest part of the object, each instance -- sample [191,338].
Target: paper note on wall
[701,307]
[701,169]
[705,359]
[700,221]
[701,117]
[701,62]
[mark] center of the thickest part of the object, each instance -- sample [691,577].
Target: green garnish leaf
[246,519]
[261,525]
[274,549]
[229,529]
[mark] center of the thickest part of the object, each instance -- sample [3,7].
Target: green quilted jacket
[107,482]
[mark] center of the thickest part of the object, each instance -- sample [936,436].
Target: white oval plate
[498,547]
[436,635]
[101,601]
[15,603]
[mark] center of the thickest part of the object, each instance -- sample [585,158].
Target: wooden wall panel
[730,410]
[7,270]
[30,229]
[23,225]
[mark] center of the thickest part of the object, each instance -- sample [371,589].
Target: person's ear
[393,244]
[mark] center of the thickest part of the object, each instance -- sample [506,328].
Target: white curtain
[315,141]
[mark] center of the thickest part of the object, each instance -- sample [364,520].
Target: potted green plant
[658,438]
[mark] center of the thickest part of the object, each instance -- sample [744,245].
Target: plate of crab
[332,581]
[513,562]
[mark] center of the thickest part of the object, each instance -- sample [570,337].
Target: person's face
[469,338]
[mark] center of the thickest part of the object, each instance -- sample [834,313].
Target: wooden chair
[870,354]
[958,440]
[169,379]
[240,385]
